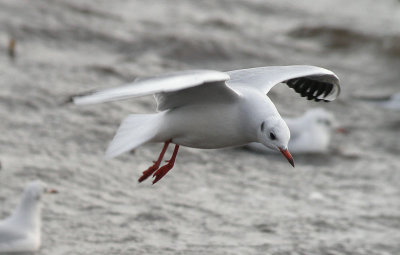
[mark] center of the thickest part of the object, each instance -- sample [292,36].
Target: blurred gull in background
[20,232]
[309,133]
[210,109]
[391,102]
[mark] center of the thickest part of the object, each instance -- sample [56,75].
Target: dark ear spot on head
[263,126]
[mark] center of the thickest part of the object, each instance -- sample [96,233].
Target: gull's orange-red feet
[158,171]
[149,172]
[156,164]
[164,169]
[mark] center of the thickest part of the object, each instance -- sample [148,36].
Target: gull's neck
[28,213]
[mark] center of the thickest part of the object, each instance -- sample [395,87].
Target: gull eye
[263,126]
[324,122]
[272,136]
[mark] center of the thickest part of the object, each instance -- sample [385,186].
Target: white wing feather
[180,88]
[161,84]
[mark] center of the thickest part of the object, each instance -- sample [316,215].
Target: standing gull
[309,133]
[210,109]
[21,231]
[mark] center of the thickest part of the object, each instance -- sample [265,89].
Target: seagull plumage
[210,109]
[20,232]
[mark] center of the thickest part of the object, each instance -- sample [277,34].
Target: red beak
[341,130]
[51,191]
[287,155]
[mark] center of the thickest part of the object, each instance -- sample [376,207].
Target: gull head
[34,191]
[274,133]
[28,211]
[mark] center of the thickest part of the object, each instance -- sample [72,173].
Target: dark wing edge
[316,88]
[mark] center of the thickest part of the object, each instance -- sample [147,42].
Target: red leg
[164,169]
[156,164]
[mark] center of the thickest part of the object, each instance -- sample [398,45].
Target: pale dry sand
[214,201]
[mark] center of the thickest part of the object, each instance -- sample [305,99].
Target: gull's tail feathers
[135,130]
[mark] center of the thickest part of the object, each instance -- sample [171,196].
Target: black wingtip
[312,89]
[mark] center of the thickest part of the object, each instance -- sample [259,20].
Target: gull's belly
[204,126]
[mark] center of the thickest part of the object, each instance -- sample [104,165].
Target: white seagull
[20,232]
[391,103]
[309,133]
[211,109]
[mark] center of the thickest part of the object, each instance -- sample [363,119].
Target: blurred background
[229,201]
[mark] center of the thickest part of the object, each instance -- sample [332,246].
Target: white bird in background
[309,133]
[391,103]
[211,109]
[20,232]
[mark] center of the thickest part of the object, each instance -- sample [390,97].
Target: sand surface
[227,201]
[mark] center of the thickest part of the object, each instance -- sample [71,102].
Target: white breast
[204,126]
[16,239]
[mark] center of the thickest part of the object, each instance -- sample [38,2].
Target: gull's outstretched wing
[171,90]
[313,82]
